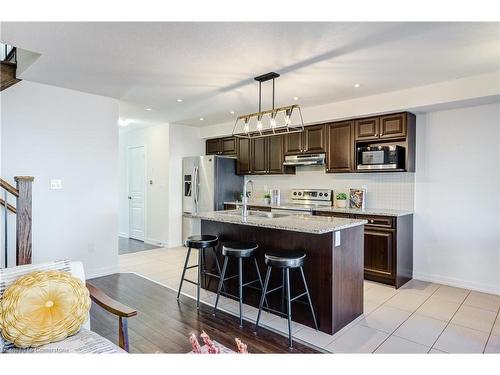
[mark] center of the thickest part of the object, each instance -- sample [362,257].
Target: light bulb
[287,120]
[273,122]
[246,128]
[259,125]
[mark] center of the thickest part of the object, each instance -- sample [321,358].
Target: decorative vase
[341,203]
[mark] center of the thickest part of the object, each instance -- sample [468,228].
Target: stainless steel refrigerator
[208,181]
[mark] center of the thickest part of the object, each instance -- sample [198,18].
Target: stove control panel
[323,195]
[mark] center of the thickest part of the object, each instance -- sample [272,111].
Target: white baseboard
[459,283]
[98,272]
[123,234]
[154,241]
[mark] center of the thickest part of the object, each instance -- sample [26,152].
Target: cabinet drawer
[332,214]
[378,221]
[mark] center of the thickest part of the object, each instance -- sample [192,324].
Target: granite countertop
[366,211]
[295,223]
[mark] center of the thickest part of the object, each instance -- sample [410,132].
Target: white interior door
[136,191]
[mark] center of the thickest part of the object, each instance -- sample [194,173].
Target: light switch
[55,184]
[337,238]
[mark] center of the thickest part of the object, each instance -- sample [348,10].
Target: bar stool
[239,251]
[286,260]
[200,242]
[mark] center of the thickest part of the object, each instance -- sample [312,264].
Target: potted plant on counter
[341,200]
[267,198]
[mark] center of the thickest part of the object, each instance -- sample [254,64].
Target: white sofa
[85,341]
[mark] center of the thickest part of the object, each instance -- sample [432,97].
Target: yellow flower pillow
[43,307]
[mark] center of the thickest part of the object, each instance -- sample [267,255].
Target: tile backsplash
[384,190]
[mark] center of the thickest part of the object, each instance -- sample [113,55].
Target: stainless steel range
[304,201]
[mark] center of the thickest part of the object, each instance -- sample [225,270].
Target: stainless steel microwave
[390,157]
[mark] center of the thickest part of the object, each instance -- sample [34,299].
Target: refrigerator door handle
[195,187]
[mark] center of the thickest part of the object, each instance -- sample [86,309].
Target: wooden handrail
[11,189]
[10,207]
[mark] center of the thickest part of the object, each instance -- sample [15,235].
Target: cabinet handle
[371,221]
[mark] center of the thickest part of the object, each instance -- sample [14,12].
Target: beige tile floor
[420,317]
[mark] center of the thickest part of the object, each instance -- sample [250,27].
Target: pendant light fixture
[282,120]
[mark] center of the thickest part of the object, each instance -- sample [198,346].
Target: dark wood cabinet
[379,249]
[366,129]
[293,144]
[228,146]
[259,155]
[388,247]
[393,126]
[275,156]
[312,140]
[212,146]
[315,139]
[263,155]
[340,149]
[243,164]
[221,146]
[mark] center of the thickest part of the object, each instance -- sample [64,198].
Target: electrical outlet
[55,184]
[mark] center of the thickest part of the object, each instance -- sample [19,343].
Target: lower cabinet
[388,252]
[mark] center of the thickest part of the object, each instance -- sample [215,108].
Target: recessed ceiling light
[147,109]
[232,112]
[357,85]
[295,98]
[201,119]
[179,100]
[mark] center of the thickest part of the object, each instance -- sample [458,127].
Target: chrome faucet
[244,199]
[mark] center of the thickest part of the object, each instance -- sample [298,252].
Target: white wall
[49,132]
[155,140]
[457,198]
[184,141]
[166,145]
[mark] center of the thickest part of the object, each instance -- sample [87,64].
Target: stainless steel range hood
[312,159]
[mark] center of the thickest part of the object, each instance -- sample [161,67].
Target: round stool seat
[239,249]
[202,241]
[285,259]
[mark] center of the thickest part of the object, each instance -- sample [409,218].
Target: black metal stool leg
[283,291]
[263,296]
[217,265]
[200,252]
[240,288]
[289,306]
[221,283]
[309,298]
[204,267]
[183,272]
[260,280]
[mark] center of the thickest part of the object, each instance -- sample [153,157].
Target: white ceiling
[211,65]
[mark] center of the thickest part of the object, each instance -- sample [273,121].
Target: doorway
[136,162]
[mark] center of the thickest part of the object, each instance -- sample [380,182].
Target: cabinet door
[293,143]
[275,155]
[315,139]
[213,146]
[379,252]
[366,129]
[259,155]
[244,156]
[393,126]
[340,156]
[228,146]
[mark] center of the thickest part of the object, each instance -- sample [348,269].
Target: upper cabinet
[392,126]
[263,155]
[221,146]
[366,129]
[311,141]
[340,150]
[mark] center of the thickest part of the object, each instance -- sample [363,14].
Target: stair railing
[23,194]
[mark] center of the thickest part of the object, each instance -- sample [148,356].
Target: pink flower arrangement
[210,346]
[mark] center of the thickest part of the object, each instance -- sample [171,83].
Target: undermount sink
[269,215]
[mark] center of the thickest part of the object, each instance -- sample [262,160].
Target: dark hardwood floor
[163,324]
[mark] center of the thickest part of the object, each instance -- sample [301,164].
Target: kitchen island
[333,264]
